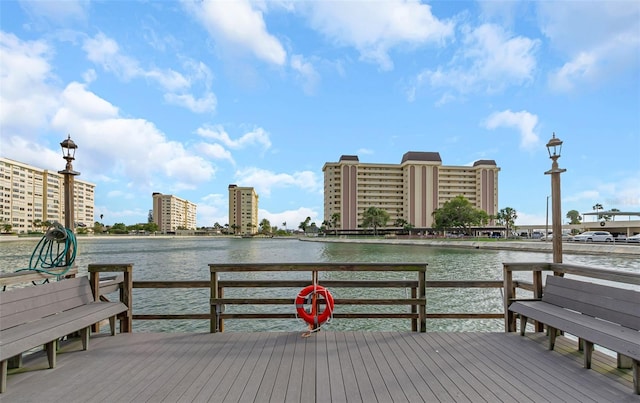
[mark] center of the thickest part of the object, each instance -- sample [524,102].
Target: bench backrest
[613,304]
[24,305]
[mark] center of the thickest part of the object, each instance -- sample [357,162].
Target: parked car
[634,238]
[594,236]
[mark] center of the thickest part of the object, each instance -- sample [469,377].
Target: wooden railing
[416,302]
[368,290]
[535,286]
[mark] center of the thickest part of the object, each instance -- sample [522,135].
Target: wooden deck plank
[267,384]
[193,379]
[492,375]
[406,373]
[208,380]
[279,391]
[363,382]
[326,367]
[348,372]
[425,351]
[464,367]
[571,383]
[259,369]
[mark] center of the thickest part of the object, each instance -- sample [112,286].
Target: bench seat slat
[606,334]
[610,303]
[39,315]
[32,303]
[18,339]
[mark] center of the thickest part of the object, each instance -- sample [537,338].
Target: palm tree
[335,218]
[597,207]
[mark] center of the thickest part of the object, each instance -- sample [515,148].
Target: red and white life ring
[313,317]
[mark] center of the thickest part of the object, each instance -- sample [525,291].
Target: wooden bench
[596,314]
[40,315]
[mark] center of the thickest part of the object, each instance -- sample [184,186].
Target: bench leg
[624,361]
[3,376]
[51,352]
[16,361]
[552,336]
[112,325]
[636,377]
[84,334]
[523,324]
[588,351]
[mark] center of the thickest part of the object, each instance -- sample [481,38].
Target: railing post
[537,293]
[213,291]
[422,293]
[414,309]
[509,294]
[126,289]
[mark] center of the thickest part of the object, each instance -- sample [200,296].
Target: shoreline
[529,245]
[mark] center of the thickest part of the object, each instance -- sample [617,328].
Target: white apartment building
[171,213]
[29,194]
[243,210]
[411,190]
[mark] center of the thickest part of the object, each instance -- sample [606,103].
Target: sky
[188,97]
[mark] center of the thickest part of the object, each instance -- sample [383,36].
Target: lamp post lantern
[554,146]
[68,153]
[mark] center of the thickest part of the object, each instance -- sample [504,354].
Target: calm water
[188,258]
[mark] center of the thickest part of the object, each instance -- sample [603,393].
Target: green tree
[374,217]
[335,219]
[305,224]
[574,216]
[150,227]
[118,228]
[265,226]
[507,217]
[597,207]
[458,213]
[98,228]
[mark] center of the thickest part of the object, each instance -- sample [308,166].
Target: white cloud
[598,39]
[374,28]
[238,25]
[215,151]
[265,181]
[218,133]
[489,60]
[27,85]
[306,73]
[207,103]
[56,11]
[105,52]
[523,121]
[133,147]
[213,208]
[292,218]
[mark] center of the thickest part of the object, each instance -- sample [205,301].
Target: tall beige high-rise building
[29,195]
[411,190]
[243,210]
[171,213]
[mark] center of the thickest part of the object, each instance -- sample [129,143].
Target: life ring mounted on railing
[602,223]
[314,316]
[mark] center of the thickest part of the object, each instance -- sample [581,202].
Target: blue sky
[187,97]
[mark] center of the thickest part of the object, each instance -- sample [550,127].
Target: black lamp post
[68,153]
[554,146]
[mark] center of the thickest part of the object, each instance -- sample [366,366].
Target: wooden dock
[325,367]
